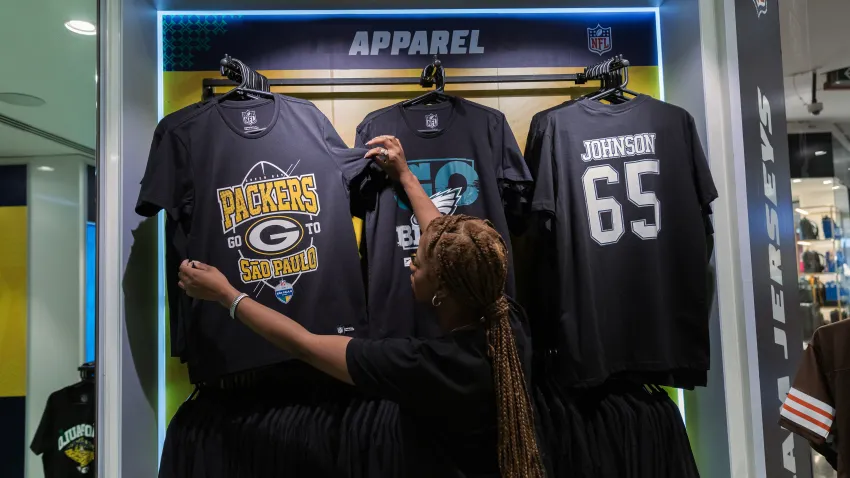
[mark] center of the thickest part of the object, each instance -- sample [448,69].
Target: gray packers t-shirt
[468,161]
[260,190]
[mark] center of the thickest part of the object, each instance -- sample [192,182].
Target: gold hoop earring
[435,301]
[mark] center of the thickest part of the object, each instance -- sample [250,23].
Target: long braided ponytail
[471,261]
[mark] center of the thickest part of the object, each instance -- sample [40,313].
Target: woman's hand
[389,154]
[205,282]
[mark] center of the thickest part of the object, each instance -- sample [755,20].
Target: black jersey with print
[179,304]
[260,189]
[65,437]
[467,159]
[628,187]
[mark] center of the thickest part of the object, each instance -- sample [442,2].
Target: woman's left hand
[204,282]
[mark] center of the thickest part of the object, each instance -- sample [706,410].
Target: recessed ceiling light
[81,27]
[800,180]
[836,187]
[20,99]
[45,168]
[802,211]
[827,181]
[820,153]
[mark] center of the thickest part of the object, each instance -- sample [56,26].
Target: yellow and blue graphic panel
[13,317]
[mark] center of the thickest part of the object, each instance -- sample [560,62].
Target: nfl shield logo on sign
[761,6]
[431,120]
[249,117]
[599,39]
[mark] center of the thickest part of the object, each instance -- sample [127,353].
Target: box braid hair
[471,262]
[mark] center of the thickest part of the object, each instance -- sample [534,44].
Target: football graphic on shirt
[270,218]
[81,451]
[446,202]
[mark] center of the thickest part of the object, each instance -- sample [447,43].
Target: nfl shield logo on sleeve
[761,6]
[599,39]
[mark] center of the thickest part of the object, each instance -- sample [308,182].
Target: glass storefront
[48,185]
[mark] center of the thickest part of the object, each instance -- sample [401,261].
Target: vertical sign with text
[771,228]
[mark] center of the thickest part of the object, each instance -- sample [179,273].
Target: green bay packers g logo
[274,235]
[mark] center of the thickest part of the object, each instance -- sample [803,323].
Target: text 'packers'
[254,270]
[295,194]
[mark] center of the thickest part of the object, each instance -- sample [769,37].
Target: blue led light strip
[160,269]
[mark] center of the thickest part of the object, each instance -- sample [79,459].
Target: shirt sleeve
[702,174]
[413,373]
[532,141]
[809,408]
[351,161]
[167,180]
[512,166]
[40,441]
[544,171]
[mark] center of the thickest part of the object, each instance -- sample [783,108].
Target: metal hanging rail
[590,73]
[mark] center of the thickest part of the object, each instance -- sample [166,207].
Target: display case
[820,213]
[701,72]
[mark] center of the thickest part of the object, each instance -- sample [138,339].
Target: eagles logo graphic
[449,182]
[446,202]
[761,7]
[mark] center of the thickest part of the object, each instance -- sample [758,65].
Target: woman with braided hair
[465,408]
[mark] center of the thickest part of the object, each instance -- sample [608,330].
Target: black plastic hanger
[433,74]
[615,76]
[87,378]
[86,372]
[252,85]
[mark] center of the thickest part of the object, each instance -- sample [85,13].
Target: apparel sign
[371,41]
[771,218]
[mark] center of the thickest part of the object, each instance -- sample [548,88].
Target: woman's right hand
[204,282]
[389,154]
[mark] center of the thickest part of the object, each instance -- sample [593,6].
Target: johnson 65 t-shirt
[260,190]
[468,161]
[65,436]
[628,188]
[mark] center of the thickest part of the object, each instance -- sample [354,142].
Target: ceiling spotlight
[820,153]
[827,181]
[81,27]
[45,169]
[802,211]
[20,99]
[836,187]
[800,180]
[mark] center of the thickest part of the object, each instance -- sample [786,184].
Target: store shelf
[818,242]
